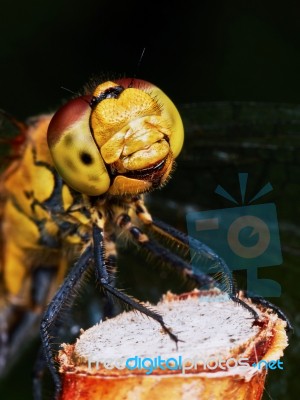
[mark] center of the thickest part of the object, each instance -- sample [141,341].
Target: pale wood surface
[210,326]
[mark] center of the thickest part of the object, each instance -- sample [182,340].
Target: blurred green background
[204,51]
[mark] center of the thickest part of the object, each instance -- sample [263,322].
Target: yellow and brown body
[89,164]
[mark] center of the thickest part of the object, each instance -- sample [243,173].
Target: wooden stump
[215,358]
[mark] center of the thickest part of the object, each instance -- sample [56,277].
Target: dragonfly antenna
[137,67]
[68,90]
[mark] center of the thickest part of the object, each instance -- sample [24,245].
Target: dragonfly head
[120,140]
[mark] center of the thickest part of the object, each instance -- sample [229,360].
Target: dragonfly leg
[62,297]
[164,254]
[4,337]
[166,229]
[102,277]
[201,247]
[188,242]
[184,241]
[41,278]
[267,304]
[109,309]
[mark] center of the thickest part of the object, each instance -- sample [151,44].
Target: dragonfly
[78,183]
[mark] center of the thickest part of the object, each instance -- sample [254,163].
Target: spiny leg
[162,253]
[42,276]
[203,249]
[175,261]
[198,246]
[267,304]
[61,298]
[188,242]
[110,262]
[103,278]
[168,232]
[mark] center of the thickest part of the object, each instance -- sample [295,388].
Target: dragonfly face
[120,140]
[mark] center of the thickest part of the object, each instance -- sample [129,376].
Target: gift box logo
[246,237]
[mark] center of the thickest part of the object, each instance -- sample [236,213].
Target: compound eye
[74,151]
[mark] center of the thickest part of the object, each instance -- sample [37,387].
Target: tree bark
[216,336]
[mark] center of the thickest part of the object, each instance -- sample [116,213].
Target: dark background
[195,51]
